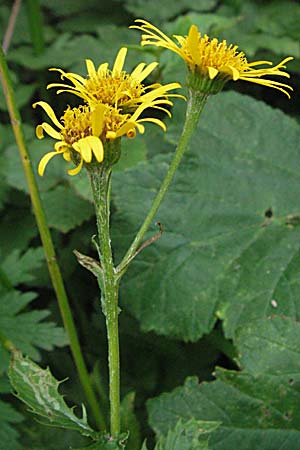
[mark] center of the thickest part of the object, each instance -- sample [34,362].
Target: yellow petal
[102,69]
[97,148]
[90,68]
[144,73]
[98,119]
[44,161]
[124,129]
[212,72]
[193,44]
[83,148]
[47,108]
[67,156]
[156,121]
[119,62]
[51,131]
[111,135]
[77,169]
[39,131]
[61,147]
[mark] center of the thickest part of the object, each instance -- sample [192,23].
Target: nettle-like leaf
[27,330]
[8,434]
[19,268]
[258,407]
[39,390]
[191,435]
[231,224]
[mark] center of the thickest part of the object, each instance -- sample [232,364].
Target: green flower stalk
[88,136]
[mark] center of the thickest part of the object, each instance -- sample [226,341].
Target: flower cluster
[114,102]
[211,63]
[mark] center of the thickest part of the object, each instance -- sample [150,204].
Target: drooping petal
[51,131]
[44,161]
[154,120]
[77,169]
[49,111]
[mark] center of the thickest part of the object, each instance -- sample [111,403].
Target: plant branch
[195,106]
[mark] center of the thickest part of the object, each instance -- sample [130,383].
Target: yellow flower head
[212,61]
[115,87]
[82,133]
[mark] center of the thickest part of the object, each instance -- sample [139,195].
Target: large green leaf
[258,408]
[231,235]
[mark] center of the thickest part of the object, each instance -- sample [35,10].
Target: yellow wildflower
[210,60]
[82,132]
[116,87]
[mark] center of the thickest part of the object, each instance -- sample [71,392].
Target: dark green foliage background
[220,288]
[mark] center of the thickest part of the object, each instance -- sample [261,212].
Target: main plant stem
[46,239]
[195,106]
[100,182]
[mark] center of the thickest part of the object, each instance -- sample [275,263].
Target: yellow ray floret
[114,87]
[82,132]
[215,60]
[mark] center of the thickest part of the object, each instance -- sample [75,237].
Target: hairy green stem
[195,106]
[100,182]
[53,267]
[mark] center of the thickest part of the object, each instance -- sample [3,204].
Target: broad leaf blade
[39,390]
[221,254]
[258,408]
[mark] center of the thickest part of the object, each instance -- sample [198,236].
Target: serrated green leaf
[19,268]
[191,435]
[25,329]
[219,255]
[9,437]
[39,390]
[64,209]
[258,407]
[251,415]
